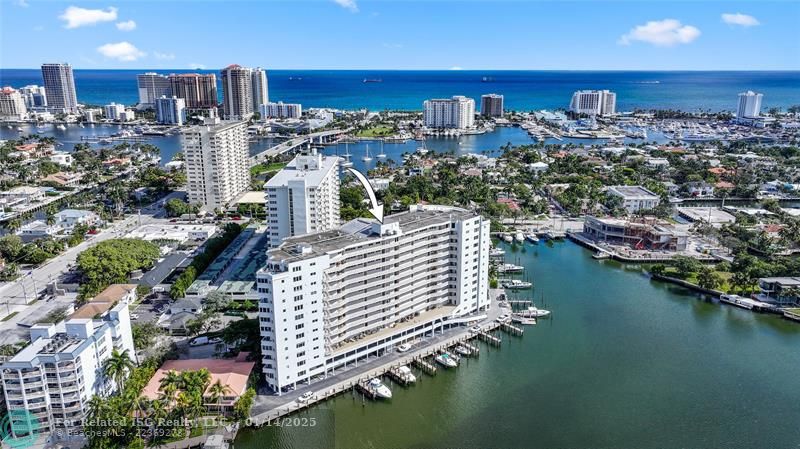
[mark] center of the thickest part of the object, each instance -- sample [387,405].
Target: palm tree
[118,366]
[216,391]
[97,407]
[169,385]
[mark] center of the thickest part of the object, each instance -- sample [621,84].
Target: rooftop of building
[312,177]
[114,292]
[361,229]
[233,373]
[632,191]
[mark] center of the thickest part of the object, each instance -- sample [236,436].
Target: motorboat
[463,350]
[446,359]
[523,320]
[510,268]
[516,284]
[533,312]
[738,301]
[531,237]
[405,373]
[62,127]
[381,390]
[497,252]
[520,237]
[507,238]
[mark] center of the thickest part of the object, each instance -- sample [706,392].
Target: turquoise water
[624,362]
[523,90]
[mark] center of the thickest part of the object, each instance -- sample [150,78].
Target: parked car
[199,341]
[404,347]
[305,397]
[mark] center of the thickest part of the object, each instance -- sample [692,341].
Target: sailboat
[422,150]
[367,157]
[381,155]
[346,162]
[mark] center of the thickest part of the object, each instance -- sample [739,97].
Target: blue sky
[401,34]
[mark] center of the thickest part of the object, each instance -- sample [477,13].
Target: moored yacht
[367,157]
[381,390]
[520,237]
[446,359]
[516,284]
[510,268]
[405,373]
[533,312]
[531,237]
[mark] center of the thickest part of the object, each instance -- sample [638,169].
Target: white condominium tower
[332,298]
[303,197]
[59,86]
[217,162]
[594,102]
[244,90]
[457,112]
[492,105]
[170,110]
[55,376]
[152,86]
[749,105]
[280,110]
[12,104]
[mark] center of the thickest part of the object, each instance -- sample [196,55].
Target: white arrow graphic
[377,209]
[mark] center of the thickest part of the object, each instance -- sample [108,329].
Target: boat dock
[399,376]
[489,338]
[366,389]
[511,329]
[424,366]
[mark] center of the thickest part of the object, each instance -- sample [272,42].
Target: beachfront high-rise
[12,104]
[303,197]
[35,96]
[280,110]
[457,112]
[332,298]
[217,162]
[244,90]
[170,110]
[198,90]
[59,84]
[594,102]
[152,86]
[749,105]
[492,105]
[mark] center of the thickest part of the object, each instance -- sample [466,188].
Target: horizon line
[430,70]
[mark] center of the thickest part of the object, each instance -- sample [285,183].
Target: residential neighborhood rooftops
[233,373]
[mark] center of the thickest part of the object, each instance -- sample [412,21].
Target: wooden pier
[424,366]
[365,389]
[475,350]
[489,338]
[513,330]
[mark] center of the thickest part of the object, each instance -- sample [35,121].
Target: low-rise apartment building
[642,233]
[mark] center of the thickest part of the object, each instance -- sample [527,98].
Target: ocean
[523,90]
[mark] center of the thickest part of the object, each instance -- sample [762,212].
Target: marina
[555,356]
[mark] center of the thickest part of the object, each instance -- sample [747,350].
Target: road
[16,295]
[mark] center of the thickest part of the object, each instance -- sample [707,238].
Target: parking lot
[149,310]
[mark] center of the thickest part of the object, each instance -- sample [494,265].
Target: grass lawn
[724,275]
[376,131]
[265,168]
[10,316]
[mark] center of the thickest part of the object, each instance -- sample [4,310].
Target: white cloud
[78,17]
[194,65]
[740,19]
[662,33]
[348,4]
[128,25]
[456,67]
[121,51]
[164,56]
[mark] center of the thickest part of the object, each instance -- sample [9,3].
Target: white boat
[516,284]
[497,252]
[446,359]
[738,301]
[381,390]
[62,127]
[422,150]
[367,157]
[533,312]
[520,237]
[463,350]
[346,162]
[381,155]
[507,238]
[19,128]
[406,373]
[523,320]
[531,237]
[510,268]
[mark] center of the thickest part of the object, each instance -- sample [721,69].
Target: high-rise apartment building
[35,96]
[749,105]
[593,102]
[217,162]
[457,112]
[331,298]
[492,105]
[244,90]
[280,110]
[152,86]
[55,376]
[170,110]
[199,91]
[303,197]
[114,111]
[60,86]
[12,104]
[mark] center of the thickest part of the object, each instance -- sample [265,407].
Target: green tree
[707,278]
[118,366]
